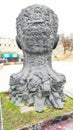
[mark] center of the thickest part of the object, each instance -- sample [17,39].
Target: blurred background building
[9,50]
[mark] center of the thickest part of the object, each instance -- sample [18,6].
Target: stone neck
[37,60]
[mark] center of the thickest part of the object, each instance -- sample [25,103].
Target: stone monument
[37,83]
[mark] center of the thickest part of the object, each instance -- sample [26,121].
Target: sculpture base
[41,86]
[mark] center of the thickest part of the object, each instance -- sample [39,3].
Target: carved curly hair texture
[37,83]
[37,19]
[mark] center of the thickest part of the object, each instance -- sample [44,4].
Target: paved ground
[62,67]
[66,68]
[5,76]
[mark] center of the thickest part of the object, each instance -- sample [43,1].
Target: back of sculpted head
[37,28]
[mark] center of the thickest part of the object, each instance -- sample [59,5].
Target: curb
[58,123]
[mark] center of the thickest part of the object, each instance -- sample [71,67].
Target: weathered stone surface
[37,82]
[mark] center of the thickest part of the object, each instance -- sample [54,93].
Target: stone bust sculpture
[37,83]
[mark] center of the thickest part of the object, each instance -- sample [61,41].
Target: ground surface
[14,119]
[58,54]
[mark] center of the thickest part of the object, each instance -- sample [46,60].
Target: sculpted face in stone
[37,82]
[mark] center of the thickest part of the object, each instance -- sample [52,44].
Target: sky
[9,10]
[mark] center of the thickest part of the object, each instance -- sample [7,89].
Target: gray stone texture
[37,83]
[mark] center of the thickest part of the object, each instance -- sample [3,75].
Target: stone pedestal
[37,83]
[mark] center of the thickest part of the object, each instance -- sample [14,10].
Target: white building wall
[8,45]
